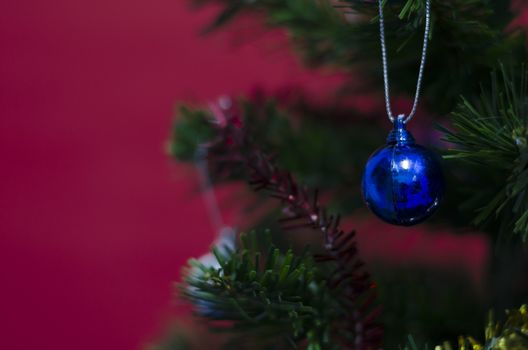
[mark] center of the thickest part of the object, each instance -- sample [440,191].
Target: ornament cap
[399,135]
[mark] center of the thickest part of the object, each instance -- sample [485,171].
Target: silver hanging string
[225,233]
[385,64]
[200,159]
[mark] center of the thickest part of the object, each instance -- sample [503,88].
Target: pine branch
[233,145]
[269,296]
[510,335]
[304,145]
[492,134]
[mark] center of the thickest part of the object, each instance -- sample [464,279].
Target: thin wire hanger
[385,64]
[225,234]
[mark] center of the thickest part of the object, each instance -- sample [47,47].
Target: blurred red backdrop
[95,221]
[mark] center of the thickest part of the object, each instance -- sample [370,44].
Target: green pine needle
[491,133]
[284,299]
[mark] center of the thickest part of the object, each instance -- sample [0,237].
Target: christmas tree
[295,277]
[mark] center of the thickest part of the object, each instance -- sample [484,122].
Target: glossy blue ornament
[403,182]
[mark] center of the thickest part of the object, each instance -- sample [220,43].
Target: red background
[95,221]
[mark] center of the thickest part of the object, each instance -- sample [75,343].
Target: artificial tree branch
[233,144]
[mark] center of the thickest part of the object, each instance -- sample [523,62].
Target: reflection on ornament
[405,164]
[403,182]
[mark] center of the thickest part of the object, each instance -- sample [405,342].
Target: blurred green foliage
[468,38]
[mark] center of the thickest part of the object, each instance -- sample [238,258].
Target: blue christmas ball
[403,182]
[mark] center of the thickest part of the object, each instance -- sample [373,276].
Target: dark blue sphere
[403,182]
